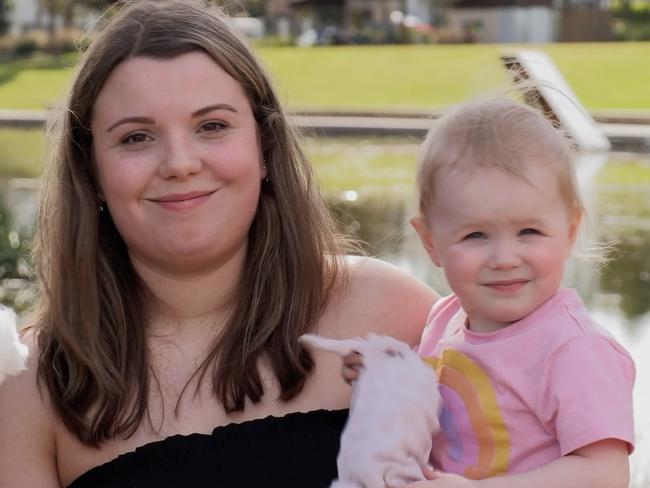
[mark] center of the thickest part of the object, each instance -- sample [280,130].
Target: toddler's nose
[505,254]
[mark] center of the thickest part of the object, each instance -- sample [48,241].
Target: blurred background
[364,79]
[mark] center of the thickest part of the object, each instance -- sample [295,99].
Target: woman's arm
[603,464]
[27,447]
[383,299]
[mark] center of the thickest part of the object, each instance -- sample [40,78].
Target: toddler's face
[501,239]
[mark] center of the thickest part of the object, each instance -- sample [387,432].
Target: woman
[183,248]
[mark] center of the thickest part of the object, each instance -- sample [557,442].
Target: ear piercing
[266,178]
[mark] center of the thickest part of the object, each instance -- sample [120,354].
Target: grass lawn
[35,83]
[21,152]
[603,75]
[613,76]
[383,76]
[626,172]
[365,165]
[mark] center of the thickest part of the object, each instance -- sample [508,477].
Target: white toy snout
[13,354]
[387,440]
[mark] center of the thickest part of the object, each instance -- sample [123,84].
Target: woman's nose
[180,159]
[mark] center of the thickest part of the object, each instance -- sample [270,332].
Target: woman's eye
[529,231]
[135,138]
[213,126]
[475,235]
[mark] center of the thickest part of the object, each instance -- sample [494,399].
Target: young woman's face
[502,241]
[178,160]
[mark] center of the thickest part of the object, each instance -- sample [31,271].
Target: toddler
[535,393]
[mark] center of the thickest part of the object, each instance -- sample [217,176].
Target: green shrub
[25,48]
[17,284]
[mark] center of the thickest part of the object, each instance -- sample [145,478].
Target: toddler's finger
[429,473]
[349,375]
[352,363]
[354,359]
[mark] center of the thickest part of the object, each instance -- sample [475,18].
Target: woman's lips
[182,201]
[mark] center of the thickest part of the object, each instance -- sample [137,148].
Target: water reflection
[629,275]
[377,222]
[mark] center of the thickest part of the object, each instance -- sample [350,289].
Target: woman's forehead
[191,81]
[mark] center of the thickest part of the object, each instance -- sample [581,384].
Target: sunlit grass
[36,83]
[626,172]
[384,76]
[33,89]
[21,153]
[604,75]
[364,165]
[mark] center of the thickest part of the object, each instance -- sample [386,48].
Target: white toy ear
[341,347]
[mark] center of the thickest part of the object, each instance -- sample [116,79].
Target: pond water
[369,183]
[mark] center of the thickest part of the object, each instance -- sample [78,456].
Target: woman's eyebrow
[131,120]
[211,108]
[148,120]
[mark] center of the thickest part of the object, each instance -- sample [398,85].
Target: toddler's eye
[529,231]
[475,235]
[136,138]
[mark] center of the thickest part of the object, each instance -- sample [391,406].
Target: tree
[65,10]
[53,9]
[5,8]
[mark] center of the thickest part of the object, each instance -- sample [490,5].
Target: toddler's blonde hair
[496,132]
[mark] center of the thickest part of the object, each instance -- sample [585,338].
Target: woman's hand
[352,364]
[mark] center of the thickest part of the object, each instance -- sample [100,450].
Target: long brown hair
[93,316]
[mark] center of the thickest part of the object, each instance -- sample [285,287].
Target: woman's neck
[179,298]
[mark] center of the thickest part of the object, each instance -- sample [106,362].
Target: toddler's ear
[421,227]
[574,228]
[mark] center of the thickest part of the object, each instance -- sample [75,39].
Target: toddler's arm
[603,464]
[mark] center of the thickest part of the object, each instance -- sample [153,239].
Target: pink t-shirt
[517,398]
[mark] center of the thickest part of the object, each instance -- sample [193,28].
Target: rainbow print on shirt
[475,436]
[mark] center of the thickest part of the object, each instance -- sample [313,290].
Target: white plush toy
[393,413]
[13,354]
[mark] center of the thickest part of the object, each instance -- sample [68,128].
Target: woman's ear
[421,227]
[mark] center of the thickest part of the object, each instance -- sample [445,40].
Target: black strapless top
[295,451]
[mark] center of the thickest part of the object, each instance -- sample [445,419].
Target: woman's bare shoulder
[27,447]
[381,298]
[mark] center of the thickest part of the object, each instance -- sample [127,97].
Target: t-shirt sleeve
[585,393]
[441,312]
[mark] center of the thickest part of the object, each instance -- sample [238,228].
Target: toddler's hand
[352,363]
[438,479]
